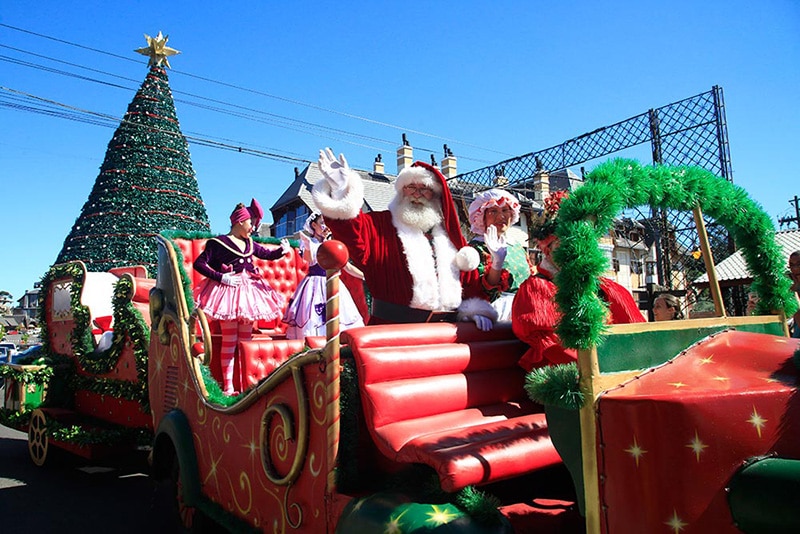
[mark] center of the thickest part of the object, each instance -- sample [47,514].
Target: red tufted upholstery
[451,397]
[262,357]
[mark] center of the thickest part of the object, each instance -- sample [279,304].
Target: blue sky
[493,80]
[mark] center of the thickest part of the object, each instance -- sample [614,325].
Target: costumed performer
[504,264]
[305,314]
[413,255]
[534,310]
[794,275]
[234,291]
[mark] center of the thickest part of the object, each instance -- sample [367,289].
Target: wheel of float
[190,519]
[38,441]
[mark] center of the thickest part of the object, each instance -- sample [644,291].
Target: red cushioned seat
[451,397]
[260,357]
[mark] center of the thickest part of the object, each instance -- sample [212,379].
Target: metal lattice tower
[692,131]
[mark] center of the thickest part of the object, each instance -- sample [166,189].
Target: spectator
[667,307]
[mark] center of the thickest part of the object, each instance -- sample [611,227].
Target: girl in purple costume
[306,312]
[234,291]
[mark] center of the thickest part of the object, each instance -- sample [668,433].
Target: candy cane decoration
[332,256]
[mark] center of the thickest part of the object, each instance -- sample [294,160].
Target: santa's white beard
[422,215]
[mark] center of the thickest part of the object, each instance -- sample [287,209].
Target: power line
[273,119]
[57,109]
[268,95]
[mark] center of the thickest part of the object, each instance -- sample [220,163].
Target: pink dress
[253,299]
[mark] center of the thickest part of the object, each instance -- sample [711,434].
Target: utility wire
[275,120]
[57,109]
[268,95]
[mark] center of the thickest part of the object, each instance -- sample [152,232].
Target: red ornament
[332,255]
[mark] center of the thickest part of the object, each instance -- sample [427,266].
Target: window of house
[615,264]
[636,267]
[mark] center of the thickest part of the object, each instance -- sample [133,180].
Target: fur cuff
[467,259]
[475,306]
[348,207]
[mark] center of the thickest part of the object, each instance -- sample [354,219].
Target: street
[74,497]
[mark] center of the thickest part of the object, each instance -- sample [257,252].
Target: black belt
[397,313]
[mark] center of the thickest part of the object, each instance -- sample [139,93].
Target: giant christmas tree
[146,183]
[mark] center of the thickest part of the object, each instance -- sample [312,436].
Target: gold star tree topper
[158,50]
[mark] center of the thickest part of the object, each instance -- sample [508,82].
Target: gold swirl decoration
[294,506]
[284,413]
[320,401]
[247,490]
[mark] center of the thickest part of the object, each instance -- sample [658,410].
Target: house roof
[378,189]
[733,269]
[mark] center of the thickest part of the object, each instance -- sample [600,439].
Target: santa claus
[413,255]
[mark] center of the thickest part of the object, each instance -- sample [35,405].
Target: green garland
[27,376]
[588,213]
[101,434]
[556,385]
[82,342]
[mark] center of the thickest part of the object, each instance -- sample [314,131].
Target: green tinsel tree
[146,183]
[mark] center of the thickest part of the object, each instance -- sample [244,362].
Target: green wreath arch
[588,213]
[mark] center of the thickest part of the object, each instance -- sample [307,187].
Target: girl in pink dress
[234,292]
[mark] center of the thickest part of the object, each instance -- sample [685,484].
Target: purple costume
[251,300]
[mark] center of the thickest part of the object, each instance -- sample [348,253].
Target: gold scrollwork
[285,414]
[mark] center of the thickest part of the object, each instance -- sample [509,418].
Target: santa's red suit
[408,272]
[535,315]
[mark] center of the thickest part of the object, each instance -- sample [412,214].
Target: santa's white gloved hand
[483,323]
[286,248]
[230,279]
[497,247]
[336,172]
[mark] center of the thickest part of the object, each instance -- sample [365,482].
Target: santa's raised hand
[336,172]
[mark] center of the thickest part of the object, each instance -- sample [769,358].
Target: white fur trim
[437,282]
[345,208]
[417,175]
[467,259]
[474,306]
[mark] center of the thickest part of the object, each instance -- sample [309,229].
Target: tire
[183,518]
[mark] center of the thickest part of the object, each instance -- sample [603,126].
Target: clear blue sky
[491,79]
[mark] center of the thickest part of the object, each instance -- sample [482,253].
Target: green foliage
[146,184]
[617,184]
[480,506]
[556,385]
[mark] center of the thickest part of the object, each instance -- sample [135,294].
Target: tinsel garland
[555,385]
[588,213]
[82,342]
[99,433]
[27,376]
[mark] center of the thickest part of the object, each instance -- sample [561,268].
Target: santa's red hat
[428,175]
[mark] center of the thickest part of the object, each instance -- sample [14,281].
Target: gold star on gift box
[158,50]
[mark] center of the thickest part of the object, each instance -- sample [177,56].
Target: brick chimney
[405,155]
[377,167]
[449,164]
